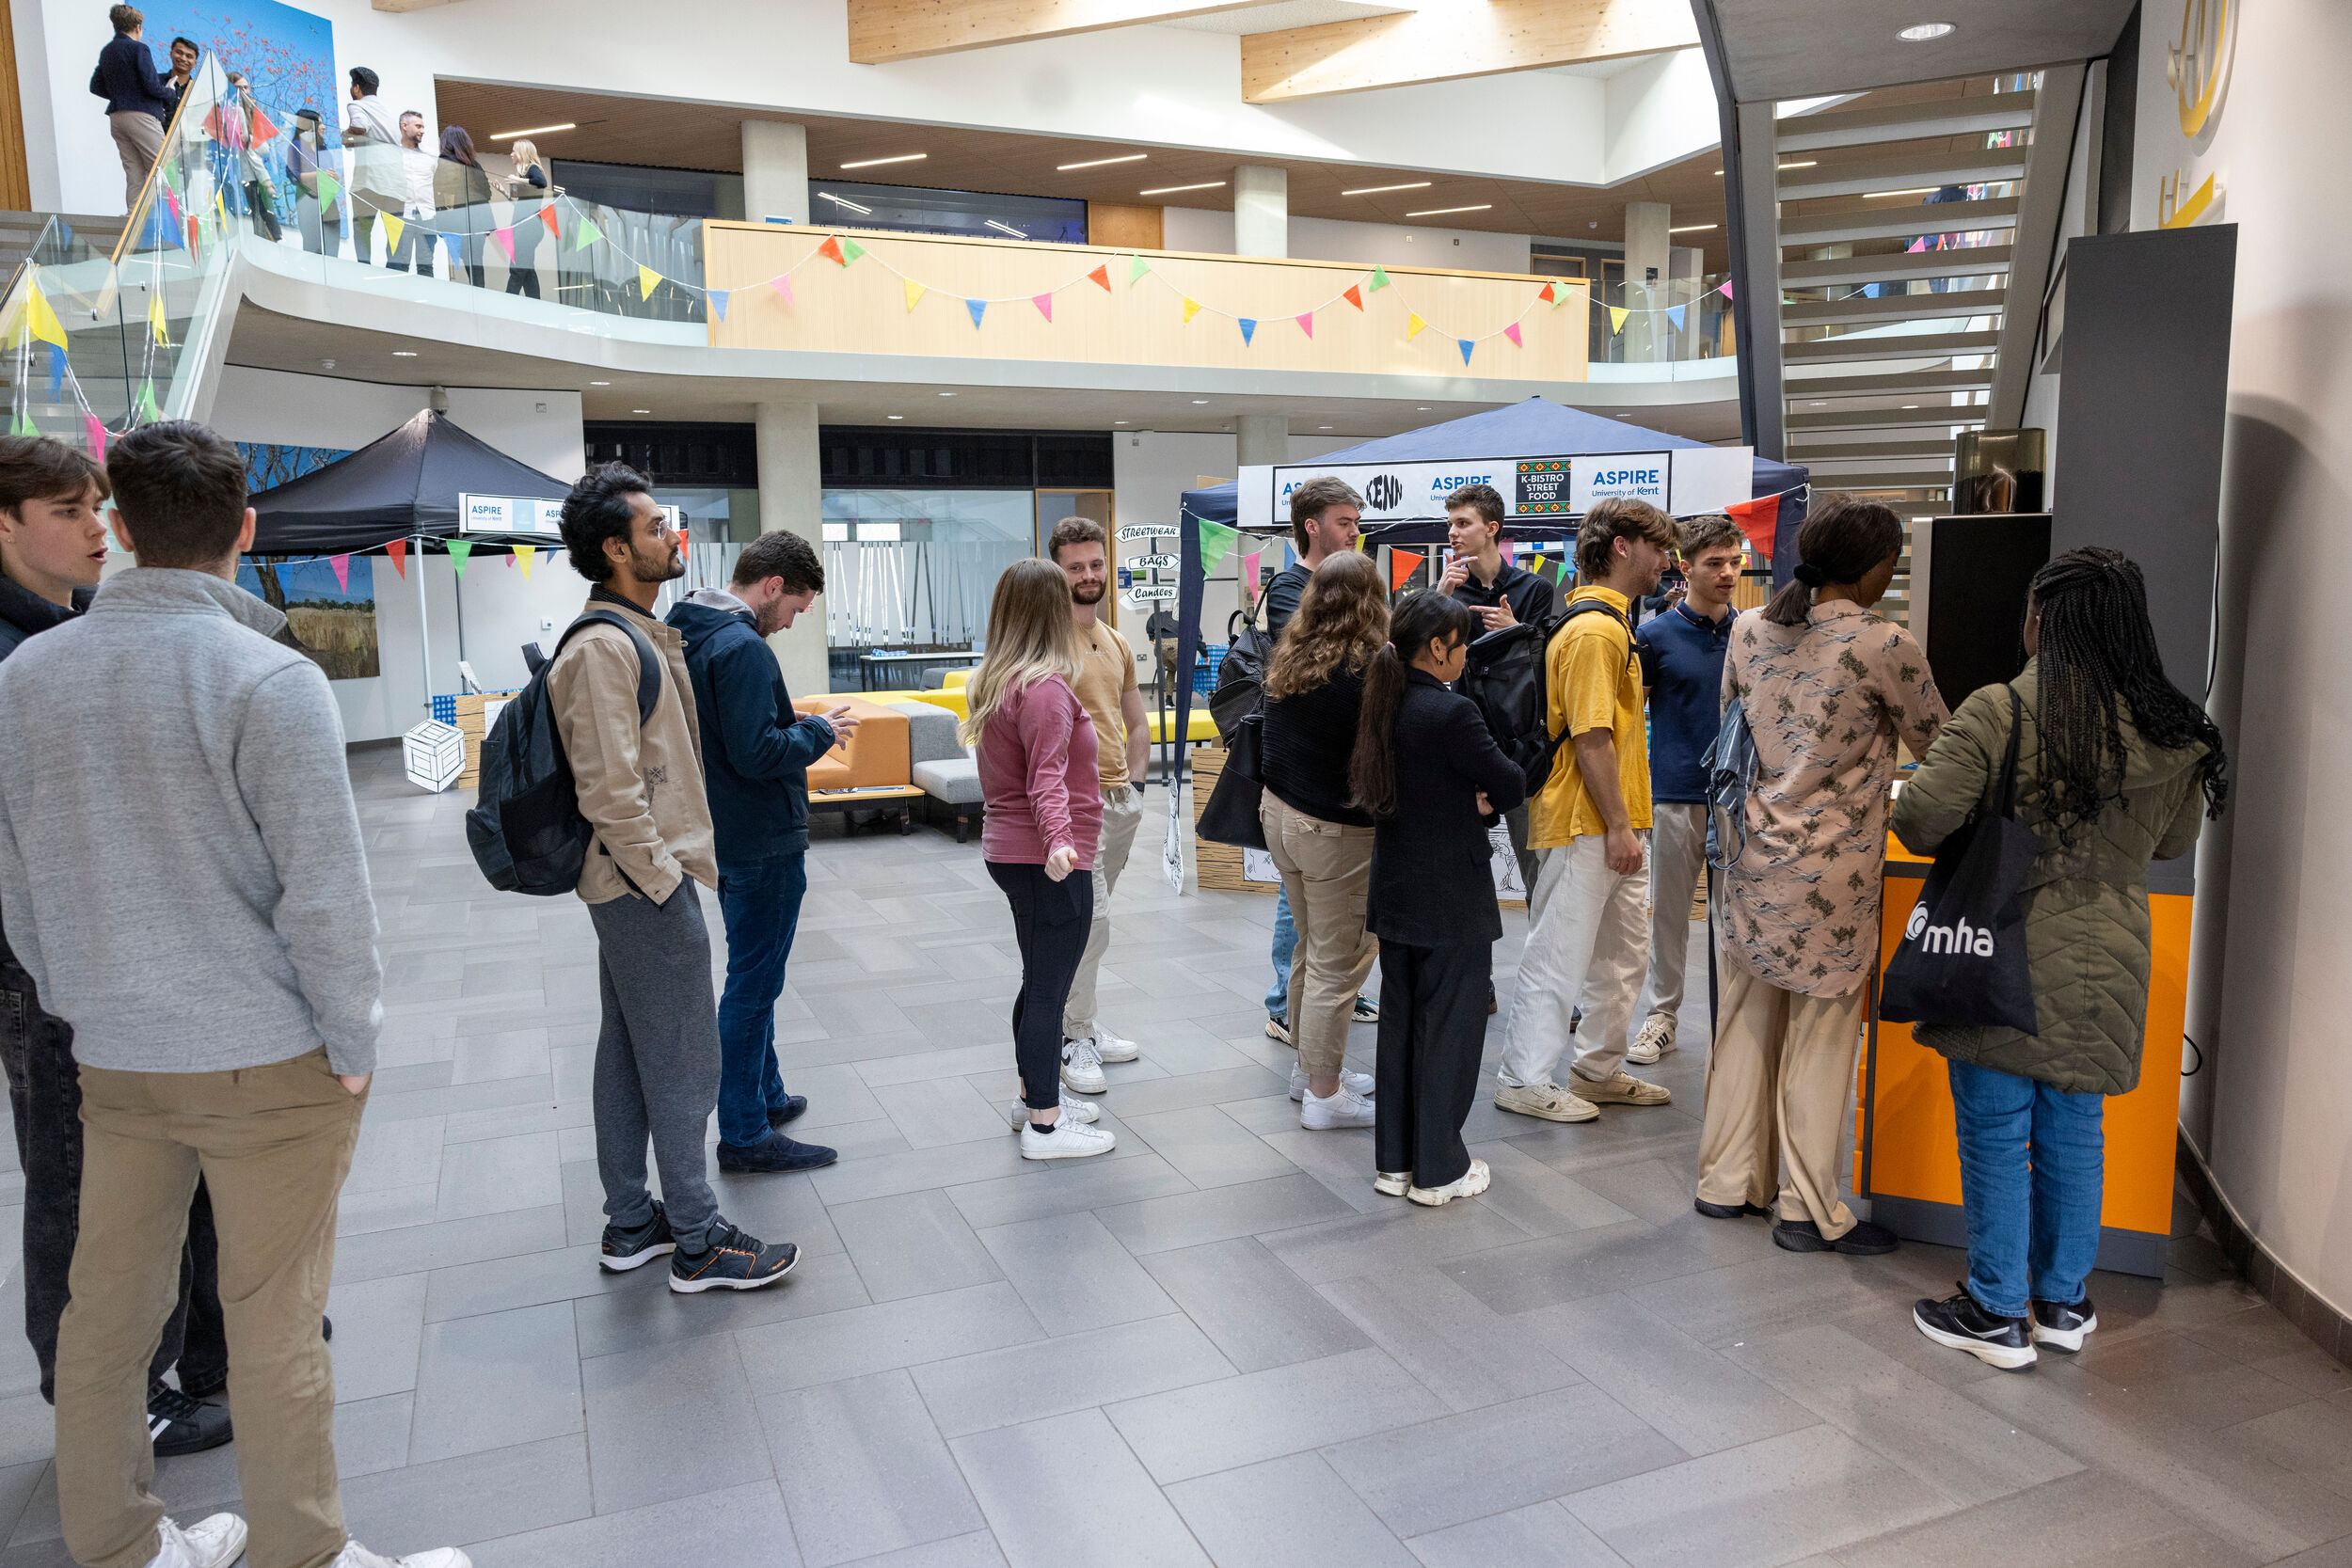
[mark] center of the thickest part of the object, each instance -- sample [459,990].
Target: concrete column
[1261,211]
[775,171]
[1261,438]
[791,495]
[1646,242]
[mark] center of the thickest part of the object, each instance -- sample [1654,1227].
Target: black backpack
[1507,676]
[526,828]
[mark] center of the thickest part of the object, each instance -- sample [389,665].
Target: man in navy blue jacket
[137,102]
[756,756]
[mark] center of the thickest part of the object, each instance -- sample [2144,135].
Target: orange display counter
[1906,1152]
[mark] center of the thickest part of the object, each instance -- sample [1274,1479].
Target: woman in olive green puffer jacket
[2116,767]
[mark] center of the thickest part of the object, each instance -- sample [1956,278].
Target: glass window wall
[912,570]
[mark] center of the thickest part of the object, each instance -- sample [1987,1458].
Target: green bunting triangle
[1379,279]
[1137,267]
[586,234]
[458,550]
[23,426]
[1215,539]
[146,408]
[330,188]
[851,251]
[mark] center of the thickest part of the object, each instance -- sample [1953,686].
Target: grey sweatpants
[657,1059]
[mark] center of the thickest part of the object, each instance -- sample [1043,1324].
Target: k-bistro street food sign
[1684,480]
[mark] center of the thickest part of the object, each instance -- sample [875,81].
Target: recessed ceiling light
[600,384]
[404,353]
[844,201]
[1911,406]
[1375,190]
[640,410]
[1441,212]
[946,394]
[1691,229]
[1926,32]
[1322,427]
[1421,409]
[1821,405]
[534,131]
[897,416]
[1119,421]
[1914,190]
[1004,229]
[1197,401]
[877,163]
[1803,163]
[1172,190]
[1098,163]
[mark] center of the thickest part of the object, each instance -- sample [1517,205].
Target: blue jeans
[760,901]
[2032,1167]
[1277,997]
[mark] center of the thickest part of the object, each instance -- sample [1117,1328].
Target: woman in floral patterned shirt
[1829,686]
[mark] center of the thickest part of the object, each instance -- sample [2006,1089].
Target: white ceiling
[1282,14]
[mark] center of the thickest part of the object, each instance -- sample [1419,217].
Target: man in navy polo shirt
[1686,644]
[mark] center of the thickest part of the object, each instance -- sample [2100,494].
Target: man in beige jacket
[641,789]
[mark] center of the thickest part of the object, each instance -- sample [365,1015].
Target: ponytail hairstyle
[1420,620]
[2099,665]
[1841,540]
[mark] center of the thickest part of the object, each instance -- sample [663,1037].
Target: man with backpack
[639,781]
[755,751]
[1586,925]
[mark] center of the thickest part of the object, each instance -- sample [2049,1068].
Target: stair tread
[1853,127]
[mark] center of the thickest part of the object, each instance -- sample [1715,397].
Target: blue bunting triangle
[1673,314]
[1249,329]
[979,308]
[718,301]
[1467,345]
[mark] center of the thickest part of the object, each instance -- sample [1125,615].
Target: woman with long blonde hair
[1036,749]
[1320,840]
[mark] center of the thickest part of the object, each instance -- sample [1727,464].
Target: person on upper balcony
[138,103]
[377,184]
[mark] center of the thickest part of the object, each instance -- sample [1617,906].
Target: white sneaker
[1656,1038]
[211,1542]
[1547,1100]
[1391,1184]
[1470,1184]
[356,1556]
[1342,1107]
[1353,1083]
[1068,1140]
[1017,1114]
[1082,1066]
[1111,1047]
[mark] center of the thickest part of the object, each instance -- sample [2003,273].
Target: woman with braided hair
[2116,767]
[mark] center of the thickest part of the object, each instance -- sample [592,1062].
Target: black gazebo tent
[403,485]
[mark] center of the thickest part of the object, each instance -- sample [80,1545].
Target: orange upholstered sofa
[876,754]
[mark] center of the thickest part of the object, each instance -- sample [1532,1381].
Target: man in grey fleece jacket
[181,862]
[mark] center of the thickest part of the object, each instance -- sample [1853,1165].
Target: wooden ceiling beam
[1449,42]
[885,30]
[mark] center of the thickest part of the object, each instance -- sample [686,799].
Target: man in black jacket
[52,547]
[138,103]
[1504,596]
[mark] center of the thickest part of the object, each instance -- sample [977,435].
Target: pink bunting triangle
[506,240]
[783,285]
[1512,332]
[1045,304]
[1305,322]
[96,430]
[342,571]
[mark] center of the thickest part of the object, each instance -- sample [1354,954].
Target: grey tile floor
[1216,1345]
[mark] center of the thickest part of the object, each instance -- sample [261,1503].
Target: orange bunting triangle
[1402,565]
[1102,274]
[1759,519]
[830,251]
[398,550]
[1353,296]
[1545,293]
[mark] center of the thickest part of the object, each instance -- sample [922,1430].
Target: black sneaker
[1366,1011]
[179,1424]
[775,1153]
[1864,1241]
[2062,1327]
[633,1248]
[1730,1210]
[793,1105]
[732,1261]
[1960,1322]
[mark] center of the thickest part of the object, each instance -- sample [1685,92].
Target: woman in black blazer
[1435,781]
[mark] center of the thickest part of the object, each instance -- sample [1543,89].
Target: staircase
[1887,353]
[19,231]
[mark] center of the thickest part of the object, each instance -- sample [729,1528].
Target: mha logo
[1964,939]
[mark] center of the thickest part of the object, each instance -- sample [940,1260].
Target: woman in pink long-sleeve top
[1036,749]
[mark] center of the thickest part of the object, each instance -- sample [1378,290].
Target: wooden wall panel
[16,181]
[1126,228]
[863,308]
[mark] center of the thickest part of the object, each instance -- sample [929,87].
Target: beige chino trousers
[1780,1085]
[1326,870]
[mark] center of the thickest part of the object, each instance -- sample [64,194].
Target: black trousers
[1433,1028]
[1050,920]
[45,1100]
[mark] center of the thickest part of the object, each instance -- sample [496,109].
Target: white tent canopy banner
[1684,482]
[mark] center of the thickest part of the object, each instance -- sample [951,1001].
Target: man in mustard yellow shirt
[1588,932]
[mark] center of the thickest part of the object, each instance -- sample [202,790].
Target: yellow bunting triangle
[524,555]
[1192,309]
[1618,314]
[155,320]
[39,320]
[914,291]
[1414,325]
[392,227]
[647,278]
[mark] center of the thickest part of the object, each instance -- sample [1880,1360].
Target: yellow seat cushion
[956,679]
[876,754]
[1197,726]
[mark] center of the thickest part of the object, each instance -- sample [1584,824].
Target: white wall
[2269,990]
[1392,245]
[1169,86]
[503,608]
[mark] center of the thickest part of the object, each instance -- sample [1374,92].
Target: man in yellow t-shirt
[1588,930]
[1107,688]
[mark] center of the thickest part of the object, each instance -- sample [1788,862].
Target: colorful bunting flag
[510,560]
[39,319]
[96,429]
[57,370]
[330,188]
[1618,314]
[1467,345]
[647,279]
[147,408]
[547,216]
[398,550]
[1215,539]
[1413,326]
[782,283]
[586,234]
[525,554]
[1724,289]
[851,251]
[831,250]
[1045,304]
[979,308]
[1759,519]
[1512,332]
[1192,309]
[342,572]
[505,240]
[1250,568]
[1305,322]
[1545,293]
[392,227]
[1101,275]
[1249,329]
[1402,565]
[458,550]
[718,298]
[1137,267]
[23,425]
[1673,314]
[913,290]
[1354,295]
[172,201]
[1379,279]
